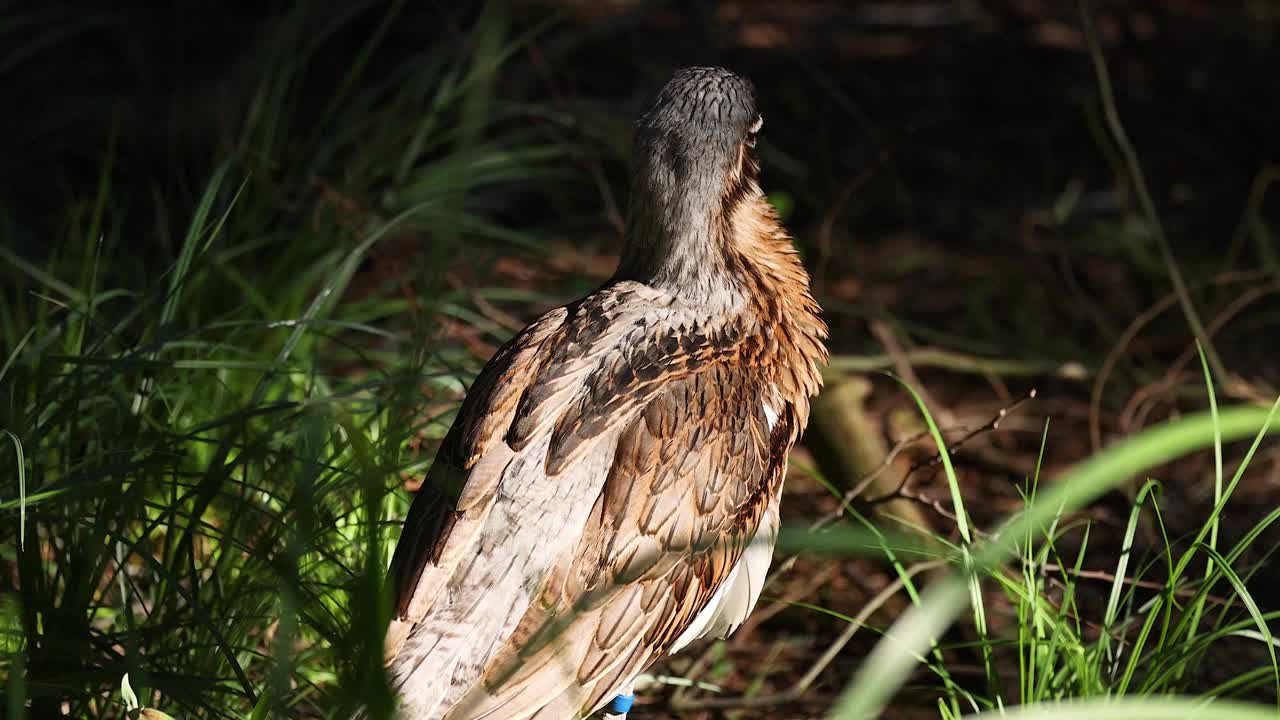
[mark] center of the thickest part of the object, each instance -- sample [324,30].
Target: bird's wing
[447,510]
[557,388]
[697,463]
[616,447]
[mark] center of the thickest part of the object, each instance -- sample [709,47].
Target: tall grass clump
[207,391]
[1142,656]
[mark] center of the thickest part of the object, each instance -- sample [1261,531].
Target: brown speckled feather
[609,489]
[671,523]
[440,507]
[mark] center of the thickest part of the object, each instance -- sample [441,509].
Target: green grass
[204,449]
[1141,654]
[203,445]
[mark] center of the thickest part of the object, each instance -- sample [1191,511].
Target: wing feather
[599,486]
[451,505]
[692,476]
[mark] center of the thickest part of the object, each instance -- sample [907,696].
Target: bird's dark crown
[692,164]
[705,101]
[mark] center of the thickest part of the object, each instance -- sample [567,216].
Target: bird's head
[693,161]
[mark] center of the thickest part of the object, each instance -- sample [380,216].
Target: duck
[609,490]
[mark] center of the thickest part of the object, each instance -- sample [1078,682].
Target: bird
[609,489]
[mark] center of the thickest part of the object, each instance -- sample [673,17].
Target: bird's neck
[790,336]
[738,263]
[679,242]
[776,281]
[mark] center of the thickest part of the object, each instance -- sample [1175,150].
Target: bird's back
[609,489]
[609,467]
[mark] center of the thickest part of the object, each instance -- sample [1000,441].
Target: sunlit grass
[1146,647]
[204,449]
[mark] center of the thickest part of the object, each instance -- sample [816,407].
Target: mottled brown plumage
[609,490]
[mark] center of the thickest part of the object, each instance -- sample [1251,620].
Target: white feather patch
[736,597]
[770,415]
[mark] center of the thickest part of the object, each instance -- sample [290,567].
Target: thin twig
[1147,397]
[1243,389]
[494,313]
[902,365]
[1131,332]
[865,481]
[1104,576]
[951,360]
[933,503]
[992,424]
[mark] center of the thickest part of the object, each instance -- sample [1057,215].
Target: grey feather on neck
[690,165]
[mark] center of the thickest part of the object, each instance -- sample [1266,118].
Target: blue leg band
[620,704]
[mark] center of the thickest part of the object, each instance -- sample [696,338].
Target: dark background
[945,167]
[922,135]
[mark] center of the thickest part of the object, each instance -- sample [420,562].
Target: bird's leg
[620,704]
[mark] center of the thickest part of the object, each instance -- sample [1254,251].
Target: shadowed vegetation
[249,263]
